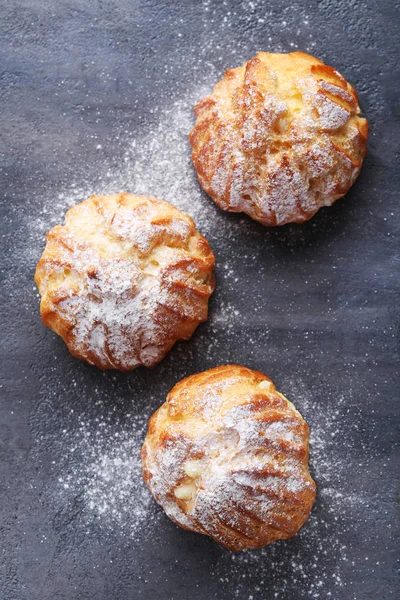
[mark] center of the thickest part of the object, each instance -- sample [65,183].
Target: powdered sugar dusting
[109,478]
[103,468]
[284,301]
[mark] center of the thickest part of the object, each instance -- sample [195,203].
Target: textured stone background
[315,307]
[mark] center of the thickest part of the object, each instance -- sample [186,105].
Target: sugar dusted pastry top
[124,279]
[279,138]
[227,456]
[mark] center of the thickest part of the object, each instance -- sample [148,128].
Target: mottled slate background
[97,96]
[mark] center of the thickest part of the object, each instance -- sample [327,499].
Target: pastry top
[124,279]
[279,138]
[227,455]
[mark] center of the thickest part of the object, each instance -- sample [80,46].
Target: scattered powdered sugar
[104,469]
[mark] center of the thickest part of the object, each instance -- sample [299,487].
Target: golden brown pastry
[227,455]
[124,279]
[278,138]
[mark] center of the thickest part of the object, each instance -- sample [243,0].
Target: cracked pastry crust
[227,455]
[124,279]
[279,138]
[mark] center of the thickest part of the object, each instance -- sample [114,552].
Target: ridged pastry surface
[279,138]
[227,456]
[124,279]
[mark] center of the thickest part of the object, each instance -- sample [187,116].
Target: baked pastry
[227,456]
[124,279]
[278,138]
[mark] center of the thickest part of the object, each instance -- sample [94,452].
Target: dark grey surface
[316,306]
